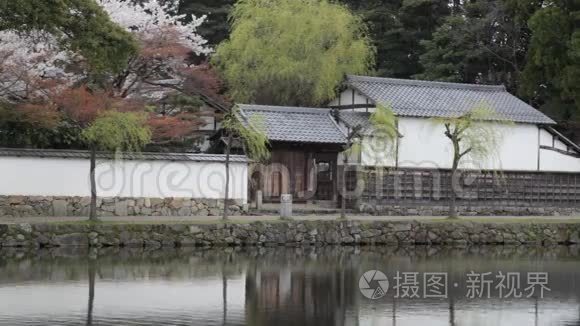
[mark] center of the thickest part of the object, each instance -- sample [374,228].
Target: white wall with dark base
[61,186]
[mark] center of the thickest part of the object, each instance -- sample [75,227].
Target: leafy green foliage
[473,136]
[292,52]
[553,68]
[384,122]
[112,130]
[397,27]
[252,133]
[80,25]
[484,44]
[380,137]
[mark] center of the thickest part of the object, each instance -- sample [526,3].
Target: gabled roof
[147,156]
[419,98]
[294,124]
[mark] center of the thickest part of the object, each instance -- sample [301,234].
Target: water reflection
[273,286]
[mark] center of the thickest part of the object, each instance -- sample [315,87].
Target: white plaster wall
[545,138]
[554,161]
[425,145]
[377,151]
[346,98]
[155,179]
[560,145]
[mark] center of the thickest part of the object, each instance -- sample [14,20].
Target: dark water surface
[280,286]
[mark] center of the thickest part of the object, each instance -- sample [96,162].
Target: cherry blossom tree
[34,66]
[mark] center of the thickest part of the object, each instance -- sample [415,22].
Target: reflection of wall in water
[283,296]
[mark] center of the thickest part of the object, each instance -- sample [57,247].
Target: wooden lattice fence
[509,188]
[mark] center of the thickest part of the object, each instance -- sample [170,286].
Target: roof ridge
[276,108]
[428,83]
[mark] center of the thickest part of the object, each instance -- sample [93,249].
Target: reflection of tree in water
[92,271]
[281,292]
[300,286]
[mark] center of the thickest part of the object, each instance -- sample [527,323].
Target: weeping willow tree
[292,52]
[475,135]
[112,131]
[252,134]
[382,132]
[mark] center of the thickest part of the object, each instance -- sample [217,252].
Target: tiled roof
[353,119]
[438,99]
[74,154]
[293,124]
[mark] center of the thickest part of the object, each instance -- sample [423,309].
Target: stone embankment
[287,233]
[26,206]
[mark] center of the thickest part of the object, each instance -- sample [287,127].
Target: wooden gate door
[286,174]
[326,175]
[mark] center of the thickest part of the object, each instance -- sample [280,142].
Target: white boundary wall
[34,176]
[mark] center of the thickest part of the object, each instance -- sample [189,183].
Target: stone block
[286,206]
[72,239]
[121,208]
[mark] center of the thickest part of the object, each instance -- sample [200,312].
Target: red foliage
[181,125]
[38,115]
[83,105]
[204,80]
[162,44]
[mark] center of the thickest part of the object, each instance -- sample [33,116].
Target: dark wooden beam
[560,151]
[351,106]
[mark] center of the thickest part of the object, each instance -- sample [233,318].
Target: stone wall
[292,233]
[19,206]
[464,210]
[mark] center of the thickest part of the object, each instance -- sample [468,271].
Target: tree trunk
[451,311]
[224,296]
[343,186]
[452,198]
[93,207]
[226,195]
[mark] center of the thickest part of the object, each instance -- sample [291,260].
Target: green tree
[292,52]
[383,129]
[397,28]
[252,135]
[472,136]
[112,131]
[486,43]
[552,72]
[80,25]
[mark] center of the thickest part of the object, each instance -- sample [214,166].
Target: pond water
[291,286]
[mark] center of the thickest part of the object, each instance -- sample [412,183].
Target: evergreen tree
[485,44]
[397,28]
[552,73]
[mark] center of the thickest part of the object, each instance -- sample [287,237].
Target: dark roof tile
[419,98]
[294,124]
